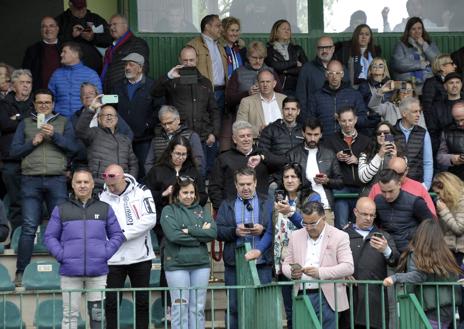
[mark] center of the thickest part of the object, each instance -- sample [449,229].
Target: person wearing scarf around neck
[285,57]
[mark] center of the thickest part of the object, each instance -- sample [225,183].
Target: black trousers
[139,275]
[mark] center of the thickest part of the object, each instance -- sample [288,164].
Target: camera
[279,195]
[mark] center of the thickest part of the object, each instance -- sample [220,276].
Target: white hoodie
[136,213]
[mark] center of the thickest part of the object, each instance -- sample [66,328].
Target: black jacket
[195,103]
[91,56]
[278,139]
[401,217]
[140,111]
[349,172]
[369,264]
[287,70]
[221,180]
[327,163]
[9,107]
[33,61]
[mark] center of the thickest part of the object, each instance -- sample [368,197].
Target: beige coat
[251,110]
[204,64]
[452,223]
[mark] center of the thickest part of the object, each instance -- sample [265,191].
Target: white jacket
[135,210]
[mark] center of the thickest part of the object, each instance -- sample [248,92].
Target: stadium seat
[10,317]
[41,275]
[126,314]
[5,280]
[49,315]
[157,313]
[39,247]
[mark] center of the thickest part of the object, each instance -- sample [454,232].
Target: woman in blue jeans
[187,229]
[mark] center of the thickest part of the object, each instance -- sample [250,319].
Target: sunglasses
[293,165]
[110,176]
[185,178]
[382,132]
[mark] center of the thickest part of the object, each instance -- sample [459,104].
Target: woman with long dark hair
[358,53]
[413,55]
[377,155]
[428,259]
[293,192]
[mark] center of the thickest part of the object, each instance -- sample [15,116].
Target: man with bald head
[135,209]
[373,250]
[450,154]
[43,57]
[192,94]
[312,74]
[334,95]
[399,165]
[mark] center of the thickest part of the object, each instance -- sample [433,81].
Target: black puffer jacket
[105,148]
[195,103]
[278,139]
[288,70]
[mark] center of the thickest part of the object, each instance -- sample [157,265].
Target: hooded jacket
[136,213]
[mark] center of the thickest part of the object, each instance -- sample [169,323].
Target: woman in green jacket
[187,228]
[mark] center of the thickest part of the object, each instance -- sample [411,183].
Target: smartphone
[40,120]
[320,175]
[279,195]
[296,267]
[404,85]
[389,138]
[397,84]
[188,75]
[378,235]
[110,99]
[346,151]
[248,225]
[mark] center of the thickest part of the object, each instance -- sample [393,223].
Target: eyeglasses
[406,90]
[437,184]
[311,225]
[324,47]
[165,124]
[333,73]
[378,66]
[185,178]
[179,155]
[108,116]
[383,132]
[110,176]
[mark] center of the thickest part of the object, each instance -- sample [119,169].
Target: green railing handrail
[303,314]
[411,315]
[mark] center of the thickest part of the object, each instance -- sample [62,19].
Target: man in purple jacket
[82,234]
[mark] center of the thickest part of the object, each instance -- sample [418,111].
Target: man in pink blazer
[319,251]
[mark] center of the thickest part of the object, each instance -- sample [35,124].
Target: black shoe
[18,281]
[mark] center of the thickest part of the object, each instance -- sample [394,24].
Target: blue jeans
[188,306]
[141,150]
[35,190]
[328,315]
[211,152]
[230,278]
[344,208]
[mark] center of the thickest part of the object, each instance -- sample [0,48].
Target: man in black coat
[373,250]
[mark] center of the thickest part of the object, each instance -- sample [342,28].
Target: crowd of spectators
[266,135]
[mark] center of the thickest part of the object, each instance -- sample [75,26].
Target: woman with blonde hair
[377,76]
[450,210]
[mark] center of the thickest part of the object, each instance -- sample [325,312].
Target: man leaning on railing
[319,251]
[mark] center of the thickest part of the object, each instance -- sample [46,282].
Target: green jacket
[186,250]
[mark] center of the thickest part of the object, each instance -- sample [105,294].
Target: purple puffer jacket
[83,237]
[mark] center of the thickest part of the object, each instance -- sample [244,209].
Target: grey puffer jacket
[105,148]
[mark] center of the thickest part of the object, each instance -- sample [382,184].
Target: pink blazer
[336,262]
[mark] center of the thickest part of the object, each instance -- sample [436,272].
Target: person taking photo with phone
[348,145]
[373,250]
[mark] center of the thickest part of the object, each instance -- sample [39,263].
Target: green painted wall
[104,8]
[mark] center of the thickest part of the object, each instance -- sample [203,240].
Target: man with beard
[319,163]
[136,105]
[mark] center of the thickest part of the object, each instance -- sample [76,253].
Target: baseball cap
[453,75]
